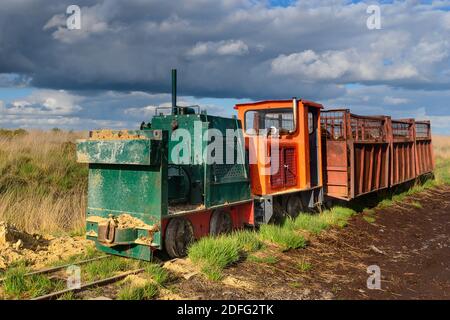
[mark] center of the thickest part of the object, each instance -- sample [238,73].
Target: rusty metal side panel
[336,169]
[403,162]
[424,148]
[424,157]
[371,168]
[403,150]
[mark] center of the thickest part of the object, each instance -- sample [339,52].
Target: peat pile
[35,249]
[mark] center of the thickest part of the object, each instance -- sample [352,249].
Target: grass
[369,215]
[266,260]
[213,254]
[157,273]
[132,292]
[315,223]
[284,236]
[19,286]
[144,289]
[304,266]
[416,204]
[108,267]
[39,178]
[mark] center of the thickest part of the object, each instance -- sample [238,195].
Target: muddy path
[409,242]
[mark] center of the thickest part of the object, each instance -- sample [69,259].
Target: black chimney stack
[174,91]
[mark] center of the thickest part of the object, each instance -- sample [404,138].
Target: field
[42,188]
[43,194]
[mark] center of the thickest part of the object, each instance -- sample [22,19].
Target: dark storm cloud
[223,49]
[132,45]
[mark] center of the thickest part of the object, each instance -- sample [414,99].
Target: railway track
[59,268]
[86,286]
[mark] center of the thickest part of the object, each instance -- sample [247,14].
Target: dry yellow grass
[42,188]
[441,146]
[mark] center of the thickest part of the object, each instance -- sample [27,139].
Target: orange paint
[296,143]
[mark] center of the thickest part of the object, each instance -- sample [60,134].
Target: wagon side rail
[425,161]
[403,151]
[356,153]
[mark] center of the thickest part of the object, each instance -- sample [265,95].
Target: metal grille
[422,130]
[228,172]
[290,167]
[276,177]
[286,175]
[332,124]
[366,129]
[401,129]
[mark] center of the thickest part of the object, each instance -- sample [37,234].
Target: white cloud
[44,102]
[395,101]
[345,66]
[223,48]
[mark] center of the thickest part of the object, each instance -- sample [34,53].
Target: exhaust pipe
[174,91]
[295,111]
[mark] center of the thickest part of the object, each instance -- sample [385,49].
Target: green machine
[140,179]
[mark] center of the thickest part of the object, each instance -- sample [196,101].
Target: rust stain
[114,135]
[82,157]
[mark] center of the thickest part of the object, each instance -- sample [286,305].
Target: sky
[115,71]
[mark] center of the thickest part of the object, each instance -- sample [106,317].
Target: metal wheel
[179,235]
[220,223]
[294,205]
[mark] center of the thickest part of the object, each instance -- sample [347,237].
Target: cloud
[223,48]
[344,66]
[395,101]
[232,49]
[243,49]
[44,102]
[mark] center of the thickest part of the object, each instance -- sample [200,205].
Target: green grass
[105,268]
[283,236]
[369,215]
[304,266]
[442,172]
[213,254]
[369,219]
[145,292]
[417,204]
[266,260]
[315,223]
[158,274]
[19,286]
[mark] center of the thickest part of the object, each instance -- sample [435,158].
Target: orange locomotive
[296,183]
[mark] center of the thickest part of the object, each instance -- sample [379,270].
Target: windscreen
[280,119]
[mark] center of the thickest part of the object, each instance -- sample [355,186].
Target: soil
[410,244]
[37,250]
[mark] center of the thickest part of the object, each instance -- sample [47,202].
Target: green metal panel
[227,183]
[135,152]
[221,183]
[117,188]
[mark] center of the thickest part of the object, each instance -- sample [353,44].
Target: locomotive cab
[282,139]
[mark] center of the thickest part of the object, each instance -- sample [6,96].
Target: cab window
[281,119]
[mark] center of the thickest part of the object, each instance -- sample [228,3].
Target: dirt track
[411,245]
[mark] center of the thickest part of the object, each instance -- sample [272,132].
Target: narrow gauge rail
[61,267]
